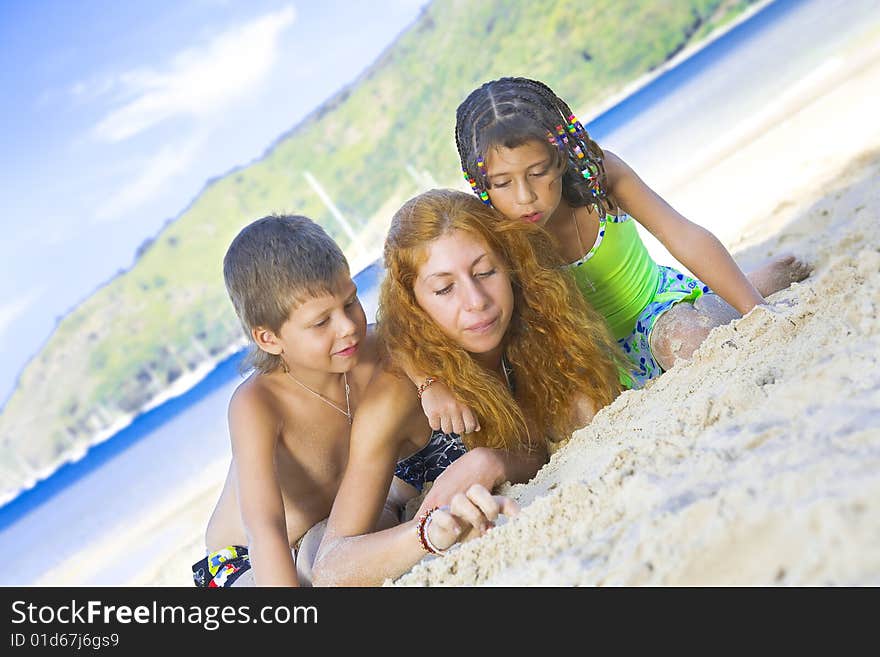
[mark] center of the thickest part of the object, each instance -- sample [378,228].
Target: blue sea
[119,478]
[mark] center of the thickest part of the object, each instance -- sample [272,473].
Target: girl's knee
[715,311]
[678,333]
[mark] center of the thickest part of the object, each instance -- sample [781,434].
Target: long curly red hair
[558,346]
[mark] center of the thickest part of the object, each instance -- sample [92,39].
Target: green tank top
[620,278]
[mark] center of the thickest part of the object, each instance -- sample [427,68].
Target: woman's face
[464,289]
[525,182]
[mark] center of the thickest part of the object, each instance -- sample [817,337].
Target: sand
[757,462]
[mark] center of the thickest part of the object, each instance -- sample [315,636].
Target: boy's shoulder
[253,397]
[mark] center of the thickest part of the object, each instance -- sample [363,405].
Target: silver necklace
[346,413]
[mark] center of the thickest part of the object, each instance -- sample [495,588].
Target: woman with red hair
[482,302]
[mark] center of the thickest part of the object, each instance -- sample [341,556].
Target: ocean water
[652,129]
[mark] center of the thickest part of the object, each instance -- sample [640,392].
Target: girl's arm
[443,410]
[254,431]
[692,245]
[351,552]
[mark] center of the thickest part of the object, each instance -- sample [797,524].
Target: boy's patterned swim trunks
[673,288]
[222,567]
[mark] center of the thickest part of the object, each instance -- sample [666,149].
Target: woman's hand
[480,465]
[445,412]
[469,514]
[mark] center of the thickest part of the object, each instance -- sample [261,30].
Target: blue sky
[114,115]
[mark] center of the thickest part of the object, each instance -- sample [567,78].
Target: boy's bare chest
[316,449]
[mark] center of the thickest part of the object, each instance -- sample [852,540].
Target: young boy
[290,420]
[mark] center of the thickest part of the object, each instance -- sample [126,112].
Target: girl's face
[525,182]
[464,289]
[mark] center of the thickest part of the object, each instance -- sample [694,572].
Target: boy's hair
[511,111]
[555,341]
[272,266]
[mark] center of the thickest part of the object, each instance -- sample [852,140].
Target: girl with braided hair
[524,152]
[481,301]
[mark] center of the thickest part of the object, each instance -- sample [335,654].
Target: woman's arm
[692,245]
[488,467]
[254,431]
[351,552]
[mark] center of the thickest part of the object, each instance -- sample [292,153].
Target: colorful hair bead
[470,179]
[590,170]
[484,196]
[574,125]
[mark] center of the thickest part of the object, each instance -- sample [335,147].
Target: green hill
[371,146]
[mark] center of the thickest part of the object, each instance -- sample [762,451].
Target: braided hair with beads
[509,112]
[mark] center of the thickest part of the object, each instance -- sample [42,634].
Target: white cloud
[12,310]
[197,81]
[153,173]
[88,89]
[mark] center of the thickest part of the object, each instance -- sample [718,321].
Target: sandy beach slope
[758,462]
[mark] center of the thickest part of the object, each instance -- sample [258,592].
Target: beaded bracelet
[425,385]
[422,530]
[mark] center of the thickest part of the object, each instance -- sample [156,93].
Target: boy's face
[324,333]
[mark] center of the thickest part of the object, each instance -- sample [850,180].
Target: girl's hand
[445,412]
[469,514]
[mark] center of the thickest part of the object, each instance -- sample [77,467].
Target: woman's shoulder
[390,397]
[389,415]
